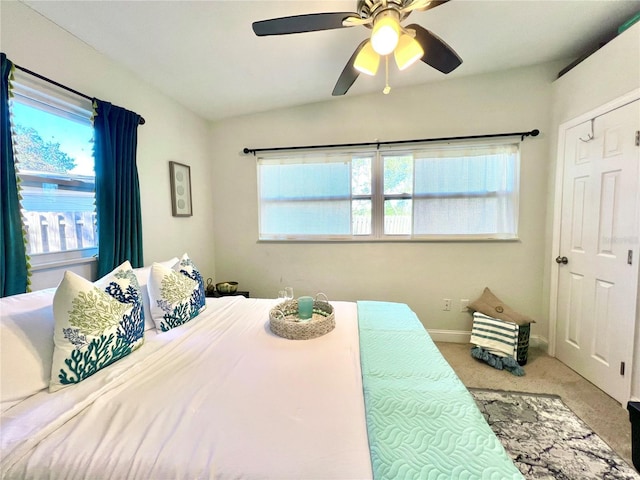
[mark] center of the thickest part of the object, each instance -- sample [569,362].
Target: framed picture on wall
[180,189]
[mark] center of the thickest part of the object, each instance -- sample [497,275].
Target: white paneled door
[598,250]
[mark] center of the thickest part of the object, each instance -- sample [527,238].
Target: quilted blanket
[421,420]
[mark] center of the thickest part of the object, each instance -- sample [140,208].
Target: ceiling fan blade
[423,5]
[437,53]
[349,74]
[301,23]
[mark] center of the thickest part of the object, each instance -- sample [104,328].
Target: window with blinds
[52,133]
[428,192]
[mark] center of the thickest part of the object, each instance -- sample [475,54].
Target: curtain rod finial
[533,133]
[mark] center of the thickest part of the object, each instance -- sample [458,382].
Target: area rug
[546,440]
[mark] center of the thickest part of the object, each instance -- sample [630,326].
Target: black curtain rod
[532,133]
[64,87]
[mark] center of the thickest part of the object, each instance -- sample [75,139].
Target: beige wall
[419,274]
[171,132]
[609,73]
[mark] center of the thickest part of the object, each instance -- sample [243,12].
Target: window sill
[390,239]
[63,262]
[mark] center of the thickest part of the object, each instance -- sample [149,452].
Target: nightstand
[239,292]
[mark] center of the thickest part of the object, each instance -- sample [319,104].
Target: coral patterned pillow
[187,267]
[96,324]
[176,295]
[142,274]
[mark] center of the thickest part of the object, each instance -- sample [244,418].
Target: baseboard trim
[450,336]
[458,336]
[541,343]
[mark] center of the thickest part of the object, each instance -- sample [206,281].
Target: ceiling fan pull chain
[387,88]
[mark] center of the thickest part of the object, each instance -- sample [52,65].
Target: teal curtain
[117,187]
[13,259]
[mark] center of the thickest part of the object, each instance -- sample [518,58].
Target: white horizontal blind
[466,191]
[308,195]
[445,191]
[42,95]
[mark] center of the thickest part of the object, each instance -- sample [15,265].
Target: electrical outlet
[464,304]
[446,304]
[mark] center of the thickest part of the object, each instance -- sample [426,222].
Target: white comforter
[219,397]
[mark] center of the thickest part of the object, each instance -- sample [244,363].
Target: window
[430,192]
[53,145]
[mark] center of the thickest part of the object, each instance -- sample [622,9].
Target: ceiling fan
[408,44]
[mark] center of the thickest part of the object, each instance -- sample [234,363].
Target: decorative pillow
[175,296]
[96,324]
[492,306]
[186,266]
[142,274]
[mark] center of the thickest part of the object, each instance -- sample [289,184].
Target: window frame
[36,93]
[378,196]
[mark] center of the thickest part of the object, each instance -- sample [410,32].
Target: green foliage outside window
[34,153]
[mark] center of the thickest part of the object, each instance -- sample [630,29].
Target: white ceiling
[206,56]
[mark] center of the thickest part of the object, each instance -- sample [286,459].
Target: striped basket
[523,343]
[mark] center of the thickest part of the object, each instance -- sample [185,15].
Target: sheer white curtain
[305,195]
[424,192]
[466,191]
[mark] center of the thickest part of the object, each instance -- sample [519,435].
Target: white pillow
[175,296]
[96,324]
[142,274]
[26,344]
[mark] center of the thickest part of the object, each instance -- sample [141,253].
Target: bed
[221,396]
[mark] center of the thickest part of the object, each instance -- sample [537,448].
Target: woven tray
[284,320]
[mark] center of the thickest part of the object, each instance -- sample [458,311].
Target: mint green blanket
[421,420]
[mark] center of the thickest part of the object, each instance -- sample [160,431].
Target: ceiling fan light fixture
[407,52]
[367,61]
[386,32]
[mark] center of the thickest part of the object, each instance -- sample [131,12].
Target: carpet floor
[546,440]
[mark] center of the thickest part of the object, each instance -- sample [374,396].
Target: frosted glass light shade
[386,32]
[407,52]
[367,61]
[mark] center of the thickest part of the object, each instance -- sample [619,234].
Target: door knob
[562,260]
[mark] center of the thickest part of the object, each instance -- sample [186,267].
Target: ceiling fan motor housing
[371,9]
